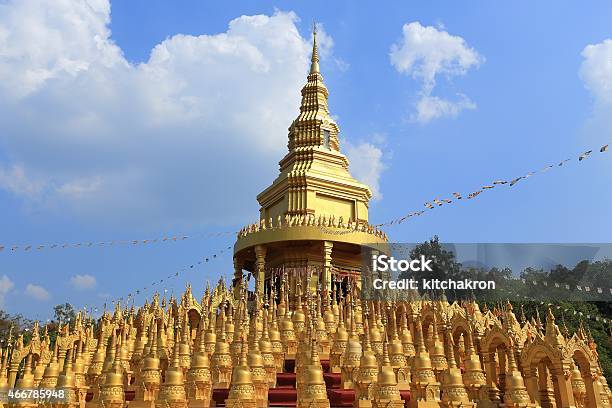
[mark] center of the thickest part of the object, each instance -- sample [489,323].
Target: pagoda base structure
[308,256]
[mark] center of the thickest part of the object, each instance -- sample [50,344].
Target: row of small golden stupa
[175,353]
[310,220]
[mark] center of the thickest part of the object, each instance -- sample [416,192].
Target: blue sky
[137,119]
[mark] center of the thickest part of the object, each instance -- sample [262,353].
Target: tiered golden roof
[314,177]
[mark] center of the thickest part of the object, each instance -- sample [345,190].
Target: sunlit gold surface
[181,352]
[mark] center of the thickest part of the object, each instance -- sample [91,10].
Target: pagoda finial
[314,61]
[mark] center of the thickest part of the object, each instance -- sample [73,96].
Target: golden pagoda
[314,216]
[306,337]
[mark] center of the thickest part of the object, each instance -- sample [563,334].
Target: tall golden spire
[314,60]
[314,179]
[314,126]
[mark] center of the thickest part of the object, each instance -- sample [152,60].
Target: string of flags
[111,243]
[429,205]
[159,282]
[439,202]
[557,285]
[589,316]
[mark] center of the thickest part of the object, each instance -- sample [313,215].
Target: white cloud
[15,180]
[87,132]
[83,282]
[366,164]
[47,42]
[427,52]
[596,71]
[6,285]
[37,292]
[432,107]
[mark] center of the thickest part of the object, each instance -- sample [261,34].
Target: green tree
[17,321]
[444,264]
[64,313]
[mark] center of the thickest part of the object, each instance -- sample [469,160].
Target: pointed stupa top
[314,59]
[308,129]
